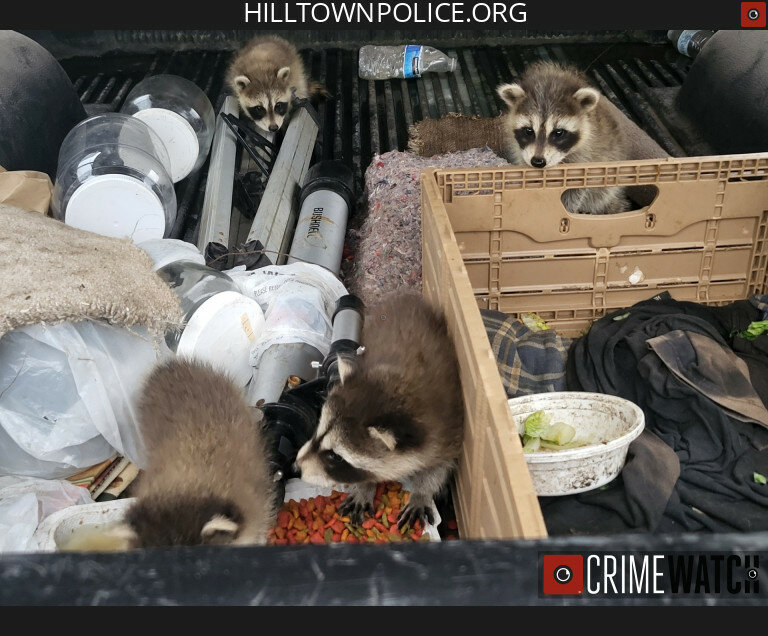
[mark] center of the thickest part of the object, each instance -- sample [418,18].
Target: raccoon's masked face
[364,433]
[547,128]
[265,105]
[154,522]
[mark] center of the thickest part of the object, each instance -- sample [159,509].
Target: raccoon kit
[555,115]
[397,413]
[265,76]
[207,479]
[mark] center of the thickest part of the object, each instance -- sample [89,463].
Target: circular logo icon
[563,574]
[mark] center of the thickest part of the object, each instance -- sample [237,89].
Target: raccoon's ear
[346,367]
[124,534]
[587,98]
[219,527]
[397,430]
[241,81]
[511,93]
[385,436]
[284,73]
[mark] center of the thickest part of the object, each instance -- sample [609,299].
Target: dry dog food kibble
[317,520]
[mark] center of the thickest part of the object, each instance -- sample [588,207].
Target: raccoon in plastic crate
[556,116]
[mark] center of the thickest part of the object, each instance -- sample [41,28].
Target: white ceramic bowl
[607,422]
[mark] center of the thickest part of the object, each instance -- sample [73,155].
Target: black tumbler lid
[329,175]
[349,301]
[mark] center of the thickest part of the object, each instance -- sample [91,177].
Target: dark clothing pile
[704,390]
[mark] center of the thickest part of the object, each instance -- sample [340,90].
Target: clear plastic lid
[194,284]
[180,114]
[220,323]
[113,179]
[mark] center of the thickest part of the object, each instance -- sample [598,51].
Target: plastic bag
[67,396]
[298,302]
[26,501]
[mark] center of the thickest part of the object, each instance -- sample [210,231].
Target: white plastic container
[220,324]
[113,179]
[180,114]
[56,530]
[607,422]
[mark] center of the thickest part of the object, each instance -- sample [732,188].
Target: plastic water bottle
[411,60]
[691,41]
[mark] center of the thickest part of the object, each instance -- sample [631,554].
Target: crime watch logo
[648,575]
[753,15]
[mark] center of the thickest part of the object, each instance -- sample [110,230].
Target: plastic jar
[181,115]
[220,323]
[165,251]
[112,179]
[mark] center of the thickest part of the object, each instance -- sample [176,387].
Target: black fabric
[636,499]
[674,359]
[38,105]
[728,78]
[754,352]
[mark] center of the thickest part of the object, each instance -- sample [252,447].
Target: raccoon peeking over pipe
[397,413]
[556,116]
[265,76]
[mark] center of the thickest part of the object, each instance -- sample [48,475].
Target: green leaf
[759,479]
[533,321]
[536,423]
[531,444]
[755,329]
[559,433]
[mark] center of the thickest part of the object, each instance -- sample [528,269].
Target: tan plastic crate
[501,239]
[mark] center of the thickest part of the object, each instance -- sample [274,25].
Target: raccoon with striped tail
[556,116]
[397,413]
[266,75]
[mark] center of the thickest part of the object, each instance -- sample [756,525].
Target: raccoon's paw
[415,511]
[355,506]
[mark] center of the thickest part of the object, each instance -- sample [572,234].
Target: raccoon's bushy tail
[316,89]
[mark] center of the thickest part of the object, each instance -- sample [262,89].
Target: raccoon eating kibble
[397,413]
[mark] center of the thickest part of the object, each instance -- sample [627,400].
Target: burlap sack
[51,272]
[453,133]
